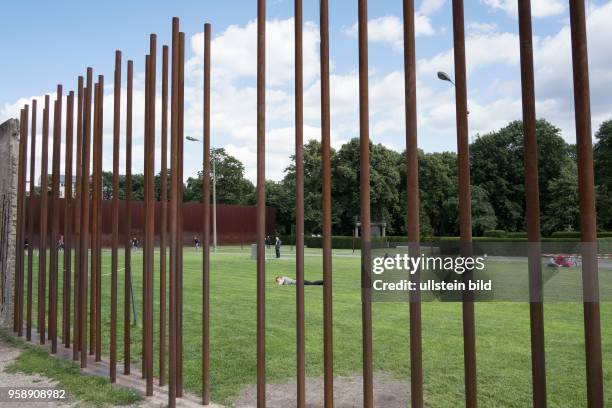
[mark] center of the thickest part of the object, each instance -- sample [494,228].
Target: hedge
[348,242]
[576,234]
[495,233]
[516,235]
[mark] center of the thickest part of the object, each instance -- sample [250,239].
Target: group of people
[277,244]
[281,280]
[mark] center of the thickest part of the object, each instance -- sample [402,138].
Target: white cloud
[478,49]
[553,78]
[390,30]
[431,6]
[481,27]
[234,52]
[539,8]
[491,105]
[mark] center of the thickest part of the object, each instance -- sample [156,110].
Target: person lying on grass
[283,280]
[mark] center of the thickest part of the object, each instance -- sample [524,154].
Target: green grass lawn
[503,345]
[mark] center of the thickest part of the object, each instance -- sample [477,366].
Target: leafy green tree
[283,200]
[384,183]
[232,187]
[438,191]
[561,210]
[602,158]
[497,166]
[137,187]
[483,215]
[312,187]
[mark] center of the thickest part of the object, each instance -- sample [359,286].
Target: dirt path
[9,353]
[348,391]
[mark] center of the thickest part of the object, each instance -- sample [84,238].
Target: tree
[312,187]
[602,160]
[561,211]
[138,187]
[497,166]
[483,215]
[231,186]
[384,183]
[283,200]
[438,192]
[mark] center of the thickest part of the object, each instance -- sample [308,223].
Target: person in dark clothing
[196,243]
[283,280]
[277,245]
[268,242]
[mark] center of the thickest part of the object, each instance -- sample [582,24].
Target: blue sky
[53,42]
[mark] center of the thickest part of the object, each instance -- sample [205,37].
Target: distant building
[62,184]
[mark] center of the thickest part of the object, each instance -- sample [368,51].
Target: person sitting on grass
[283,280]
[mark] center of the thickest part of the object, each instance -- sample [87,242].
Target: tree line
[497,179]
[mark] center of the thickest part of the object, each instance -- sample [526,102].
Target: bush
[516,235]
[494,233]
[565,234]
[576,234]
[494,245]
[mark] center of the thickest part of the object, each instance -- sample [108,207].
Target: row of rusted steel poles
[176,194]
[80,228]
[83,219]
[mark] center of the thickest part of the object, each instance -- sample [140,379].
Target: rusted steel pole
[532,200]
[19,241]
[23,183]
[143,348]
[53,253]
[328,351]
[94,223]
[18,238]
[586,191]
[68,221]
[465,206]
[100,108]
[149,244]
[55,232]
[42,245]
[76,342]
[261,203]
[364,181]
[173,214]
[164,219]
[85,214]
[181,140]
[31,217]
[115,216]
[206,223]
[127,282]
[299,207]
[21,219]
[412,201]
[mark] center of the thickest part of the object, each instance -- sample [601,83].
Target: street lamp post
[443,76]
[214,203]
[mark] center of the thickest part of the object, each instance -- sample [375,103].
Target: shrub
[494,233]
